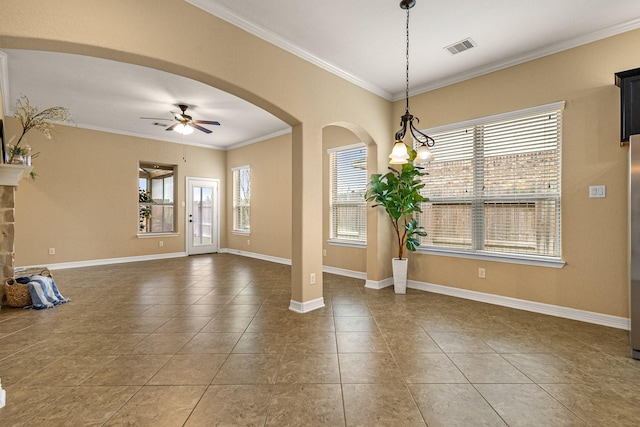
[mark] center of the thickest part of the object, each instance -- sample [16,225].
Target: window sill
[347,243]
[241,233]
[150,235]
[538,261]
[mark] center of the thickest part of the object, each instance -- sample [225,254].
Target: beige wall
[594,231]
[348,258]
[270,163]
[83,201]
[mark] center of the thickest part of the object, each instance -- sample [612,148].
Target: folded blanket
[44,292]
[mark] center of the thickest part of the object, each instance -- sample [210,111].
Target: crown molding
[273,38]
[269,36]
[525,57]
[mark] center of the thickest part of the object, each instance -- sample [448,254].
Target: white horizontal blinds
[521,156]
[242,198]
[522,185]
[448,224]
[447,217]
[348,182]
[451,171]
[495,185]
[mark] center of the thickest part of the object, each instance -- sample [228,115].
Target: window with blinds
[348,185]
[242,199]
[494,185]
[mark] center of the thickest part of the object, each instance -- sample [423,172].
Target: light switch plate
[597,191]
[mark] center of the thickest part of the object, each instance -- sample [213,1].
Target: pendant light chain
[407,59]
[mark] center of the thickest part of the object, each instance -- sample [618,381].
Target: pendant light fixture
[400,152]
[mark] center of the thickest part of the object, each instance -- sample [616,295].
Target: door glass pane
[202,226]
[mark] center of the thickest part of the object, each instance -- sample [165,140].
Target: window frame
[161,203]
[359,202]
[480,201]
[238,204]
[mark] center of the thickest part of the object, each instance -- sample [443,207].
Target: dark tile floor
[209,341]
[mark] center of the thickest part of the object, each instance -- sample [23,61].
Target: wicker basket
[17,293]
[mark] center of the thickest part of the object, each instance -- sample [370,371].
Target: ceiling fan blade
[172,126]
[206,122]
[195,126]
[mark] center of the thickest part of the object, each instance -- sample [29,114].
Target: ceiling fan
[186,123]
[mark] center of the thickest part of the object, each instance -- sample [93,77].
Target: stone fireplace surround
[9,177]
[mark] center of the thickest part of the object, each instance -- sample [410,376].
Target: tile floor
[209,341]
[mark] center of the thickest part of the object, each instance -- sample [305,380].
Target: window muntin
[348,185]
[494,185]
[156,196]
[242,199]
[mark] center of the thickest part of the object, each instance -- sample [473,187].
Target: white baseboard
[373,284]
[270,258]
[305,307]
[106,261]
[344,272]
[536,307]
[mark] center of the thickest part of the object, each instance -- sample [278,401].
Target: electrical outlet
[52,251]
[481,273]
[161,243]
[312,278]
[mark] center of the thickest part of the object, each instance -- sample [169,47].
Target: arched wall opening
[223,56]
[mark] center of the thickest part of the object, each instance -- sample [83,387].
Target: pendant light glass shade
[399,154]
[423,154]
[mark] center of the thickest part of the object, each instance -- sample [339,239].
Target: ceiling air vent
[461,46]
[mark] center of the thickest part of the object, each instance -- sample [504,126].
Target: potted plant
[398,192]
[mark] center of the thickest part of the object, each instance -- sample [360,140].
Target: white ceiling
[112,96]
[362,41]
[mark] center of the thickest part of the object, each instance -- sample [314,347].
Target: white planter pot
[400,275]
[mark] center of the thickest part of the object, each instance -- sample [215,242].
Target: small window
[156,198]
[348,185]
[242,199]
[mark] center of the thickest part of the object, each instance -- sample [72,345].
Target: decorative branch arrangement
[31,118]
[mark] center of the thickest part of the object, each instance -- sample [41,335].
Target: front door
[202,216]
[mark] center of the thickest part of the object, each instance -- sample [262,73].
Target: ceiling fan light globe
[183,129]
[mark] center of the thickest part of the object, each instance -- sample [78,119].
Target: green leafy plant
[15,151]
[398,192]
[145,210]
